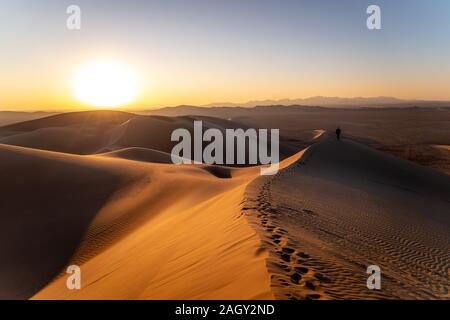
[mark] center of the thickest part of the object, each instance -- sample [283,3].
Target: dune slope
[48,202]
[343,207]
[100,132]
[137,230]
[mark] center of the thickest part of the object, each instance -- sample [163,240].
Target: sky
[202,51]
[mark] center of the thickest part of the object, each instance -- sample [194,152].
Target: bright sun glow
[106,84]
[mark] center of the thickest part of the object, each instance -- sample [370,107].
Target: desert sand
[98,189]
[137,230]
[349,207]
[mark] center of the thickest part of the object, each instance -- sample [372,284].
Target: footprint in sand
[302,270]
[310,285]
[303,255]
[295,278]
[288,250]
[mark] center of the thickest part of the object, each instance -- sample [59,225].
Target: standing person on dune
[338,133]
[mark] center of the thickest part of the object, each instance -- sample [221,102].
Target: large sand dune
[138,230]
[110,201]
[343,207]
[48,202]
[97,132]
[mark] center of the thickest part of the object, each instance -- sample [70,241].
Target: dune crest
[350,207]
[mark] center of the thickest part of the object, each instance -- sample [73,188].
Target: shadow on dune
[218,172]
[48,202]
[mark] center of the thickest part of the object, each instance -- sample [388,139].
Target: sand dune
[406,133]
[350,207]
[50,199]
[75,119]
[107,132]
[140,154]
[75,132]
[154,227]
[143,228]
[11,117]
[67,140]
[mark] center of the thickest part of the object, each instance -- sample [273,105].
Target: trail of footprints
[295,272]
[292,276]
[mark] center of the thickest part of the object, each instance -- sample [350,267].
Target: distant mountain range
[229,109]
[336,102]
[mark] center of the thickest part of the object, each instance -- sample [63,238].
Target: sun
[105,84]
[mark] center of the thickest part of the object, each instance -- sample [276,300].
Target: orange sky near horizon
[51,87]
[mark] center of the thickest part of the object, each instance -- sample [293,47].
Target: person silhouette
[338,133]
